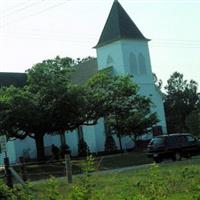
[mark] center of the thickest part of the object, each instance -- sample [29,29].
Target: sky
[34,30]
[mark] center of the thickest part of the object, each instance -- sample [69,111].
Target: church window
[133,64]
[142,65]
[109,61]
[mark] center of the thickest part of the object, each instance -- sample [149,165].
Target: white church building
[124,48]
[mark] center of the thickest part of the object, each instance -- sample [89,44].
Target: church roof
[11,78]
[82,73]
[119,26]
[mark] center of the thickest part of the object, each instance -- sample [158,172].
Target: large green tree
[49,103]
[116,99]
[193,122]
[22,115]
[181,99]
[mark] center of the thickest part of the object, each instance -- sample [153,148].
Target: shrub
[6,192]
[51,191]
[83,190]
[16,193]
[155,187]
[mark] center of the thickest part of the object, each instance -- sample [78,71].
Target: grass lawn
[173,181]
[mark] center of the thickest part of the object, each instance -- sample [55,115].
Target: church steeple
[119,26]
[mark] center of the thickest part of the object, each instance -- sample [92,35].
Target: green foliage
[83,60]
[6,192]
[181,99]
[193,122]
[116,98]
[16,193]
[51,191]
[194,186]
[84,190]
[49,103]
[154,188]
[18,109]
[22,193]
[159,182]
[50,74]
[158,82]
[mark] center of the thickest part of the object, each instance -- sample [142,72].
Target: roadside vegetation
[177,180]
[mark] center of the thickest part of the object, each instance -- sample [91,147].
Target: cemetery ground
[43,170]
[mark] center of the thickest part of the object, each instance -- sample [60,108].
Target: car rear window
[157,141]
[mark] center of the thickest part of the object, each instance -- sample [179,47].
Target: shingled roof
[11,78]
[82,73]
[119,26]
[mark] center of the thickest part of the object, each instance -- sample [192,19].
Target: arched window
[133,68]
[142,65]
[109,61]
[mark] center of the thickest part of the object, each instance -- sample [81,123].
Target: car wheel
[177,156]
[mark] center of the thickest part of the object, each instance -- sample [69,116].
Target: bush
[155,187]
[6,192]
[16,193]
[84,190]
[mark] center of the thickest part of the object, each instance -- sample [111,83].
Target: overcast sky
[34,30]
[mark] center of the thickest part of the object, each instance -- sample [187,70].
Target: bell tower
[123,47]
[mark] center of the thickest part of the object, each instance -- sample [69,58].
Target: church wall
[26,148]
[89,137]
[120,52]
[100,136]
[72,141]
[48,141]
[113,50]
[138,48]
[10,146]
[151,92]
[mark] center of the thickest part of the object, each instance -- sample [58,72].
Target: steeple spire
[119,26]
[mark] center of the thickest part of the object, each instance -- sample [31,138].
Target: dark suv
[173,146]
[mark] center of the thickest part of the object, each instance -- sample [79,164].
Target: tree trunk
[39,140]
[62,138]
[120,141]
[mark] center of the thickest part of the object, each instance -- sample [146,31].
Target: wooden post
[22,168]
[8,173]
[17,177]
[68,168]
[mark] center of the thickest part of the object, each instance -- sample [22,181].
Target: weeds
[155,184]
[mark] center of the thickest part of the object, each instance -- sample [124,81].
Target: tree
[82,60]
[21,115]
[158,82]
[193,122]
[49,103]
[116,99]
[181,99]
